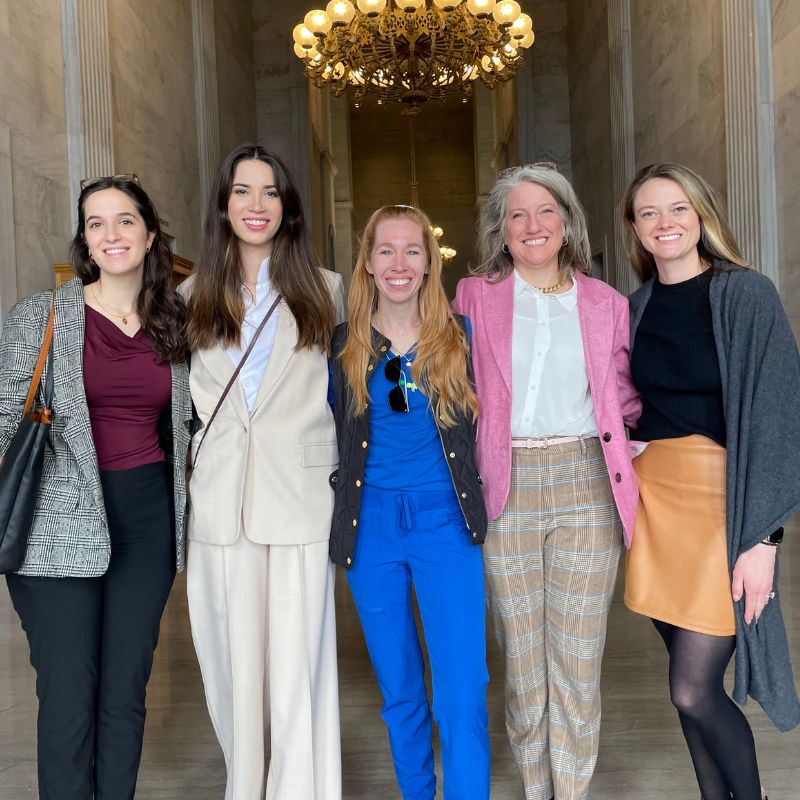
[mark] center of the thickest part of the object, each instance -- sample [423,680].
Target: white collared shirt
[550,386]
[252,373]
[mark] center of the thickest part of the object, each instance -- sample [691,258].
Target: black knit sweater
[675,366]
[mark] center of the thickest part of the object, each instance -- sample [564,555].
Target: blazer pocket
[319,455]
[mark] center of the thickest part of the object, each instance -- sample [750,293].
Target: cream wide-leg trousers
[265,634]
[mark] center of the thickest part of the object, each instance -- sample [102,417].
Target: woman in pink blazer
[550,349]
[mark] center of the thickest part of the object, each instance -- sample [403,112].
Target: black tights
[718,735]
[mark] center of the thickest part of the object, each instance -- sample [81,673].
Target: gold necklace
[123,317]
[554,288]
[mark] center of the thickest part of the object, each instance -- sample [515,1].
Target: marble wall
[679,84]
[34,196]
[543,105]
[153,97]
[786,54]
[153,120]
[590,102]
[236,87]
[281,88]
[677,96]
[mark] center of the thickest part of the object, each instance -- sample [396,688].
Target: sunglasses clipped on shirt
[398,394]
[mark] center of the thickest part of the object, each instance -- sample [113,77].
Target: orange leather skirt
[677,568]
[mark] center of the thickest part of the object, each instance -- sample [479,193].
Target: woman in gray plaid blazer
[107,535]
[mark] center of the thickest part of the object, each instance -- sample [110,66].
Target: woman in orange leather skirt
[715,362]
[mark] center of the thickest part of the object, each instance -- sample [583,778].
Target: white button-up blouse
[256,365]
[550,386]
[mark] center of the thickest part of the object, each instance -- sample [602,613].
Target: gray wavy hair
[575,254]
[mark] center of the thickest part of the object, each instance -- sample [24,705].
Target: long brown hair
[216,307]
[716,239]
[161,310]
[441,353]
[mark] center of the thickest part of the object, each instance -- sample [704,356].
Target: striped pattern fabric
[551,563]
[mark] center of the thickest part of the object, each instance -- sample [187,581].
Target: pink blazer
[603,315]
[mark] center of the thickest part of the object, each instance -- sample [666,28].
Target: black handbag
[21,466]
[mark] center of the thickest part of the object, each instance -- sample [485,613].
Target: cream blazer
[265,475]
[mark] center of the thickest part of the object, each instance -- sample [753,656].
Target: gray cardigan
[69,537]
[760,370]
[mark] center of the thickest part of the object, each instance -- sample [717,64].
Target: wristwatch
[774,539]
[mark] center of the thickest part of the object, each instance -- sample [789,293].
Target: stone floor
[642,754]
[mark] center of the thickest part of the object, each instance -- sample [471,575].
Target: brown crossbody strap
[236,374]
[43,351]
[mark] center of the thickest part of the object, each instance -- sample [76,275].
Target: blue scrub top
[405,451]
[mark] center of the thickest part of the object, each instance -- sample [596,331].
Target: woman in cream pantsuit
[260,583]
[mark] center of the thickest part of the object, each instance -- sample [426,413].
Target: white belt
[542,443]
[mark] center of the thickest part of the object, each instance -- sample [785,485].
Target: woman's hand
[752,577]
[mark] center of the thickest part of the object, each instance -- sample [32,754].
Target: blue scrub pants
[421,537]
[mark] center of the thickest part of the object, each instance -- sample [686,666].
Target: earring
[504,248]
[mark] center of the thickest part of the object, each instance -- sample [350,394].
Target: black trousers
[92,643]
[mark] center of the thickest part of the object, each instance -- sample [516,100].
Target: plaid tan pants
[551,562]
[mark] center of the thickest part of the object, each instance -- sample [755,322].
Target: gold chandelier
[410,51]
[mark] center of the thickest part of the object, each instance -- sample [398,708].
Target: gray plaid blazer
[70,536]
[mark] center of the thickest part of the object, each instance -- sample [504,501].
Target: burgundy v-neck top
[126,391]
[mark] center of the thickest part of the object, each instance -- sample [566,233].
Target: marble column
[342,187]
[87,86]
[623,158]
[749,122]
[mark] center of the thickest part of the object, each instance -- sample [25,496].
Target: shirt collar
[263,274]
[263,287]
[568,299]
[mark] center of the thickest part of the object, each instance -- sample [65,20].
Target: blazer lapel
[596,325]
[220,368]
[69,398]
[497,301]
[282,351]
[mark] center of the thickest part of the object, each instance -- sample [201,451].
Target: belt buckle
[538,444]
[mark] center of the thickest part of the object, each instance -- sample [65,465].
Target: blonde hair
[716,239]
[440,365]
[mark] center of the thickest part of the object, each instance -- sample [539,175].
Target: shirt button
[606,437]
[355,523]
[464,495]
[358,483]
[363,444]
[452,455]
[370,368]
[474,534]
[349,561]
[618,478]
[384,349]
